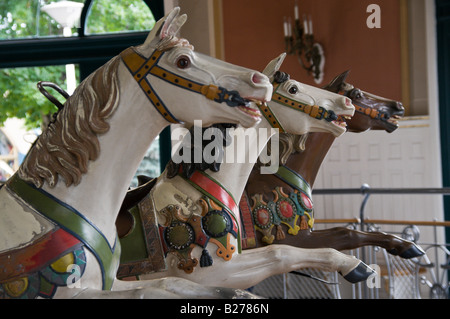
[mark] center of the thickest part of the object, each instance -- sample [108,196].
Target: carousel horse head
[372,112]
[150,86]
[219,92]
[323,111]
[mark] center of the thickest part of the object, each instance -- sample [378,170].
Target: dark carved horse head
[372,112]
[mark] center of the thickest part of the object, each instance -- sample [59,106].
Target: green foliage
[23,18]
[117,16]
[19,96]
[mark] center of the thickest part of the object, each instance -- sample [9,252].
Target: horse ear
[274,66]
[167,26]
[172,24]
[337,83]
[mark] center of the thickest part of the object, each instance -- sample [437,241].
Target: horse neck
[133,127]
[233,175]
[308,162]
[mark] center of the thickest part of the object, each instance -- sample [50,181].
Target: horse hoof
[360,273]
[411,252]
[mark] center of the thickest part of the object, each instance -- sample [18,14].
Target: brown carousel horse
[274,204]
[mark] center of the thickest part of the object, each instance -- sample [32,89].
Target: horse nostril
[348,102]
[258,78]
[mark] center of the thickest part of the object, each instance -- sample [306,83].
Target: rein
[315,111]
[140,67]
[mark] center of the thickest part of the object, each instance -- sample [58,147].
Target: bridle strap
[140,67]
[368,111]
[315,111]
[373,113]
[270,116]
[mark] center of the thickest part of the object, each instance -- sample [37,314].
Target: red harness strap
[216,192]
[37,255]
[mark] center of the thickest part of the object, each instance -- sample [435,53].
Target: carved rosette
[284,209]
[182,234]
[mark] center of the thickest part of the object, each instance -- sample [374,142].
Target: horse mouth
[248,108]
[341,121]
[392,123]
[394,120]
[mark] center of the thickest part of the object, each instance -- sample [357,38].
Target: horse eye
[183,62]
[356,94]
[293,90]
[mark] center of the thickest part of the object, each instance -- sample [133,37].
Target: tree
[19,96]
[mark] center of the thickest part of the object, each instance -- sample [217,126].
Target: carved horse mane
[64,149]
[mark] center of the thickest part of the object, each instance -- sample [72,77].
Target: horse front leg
[342,238]
[253,266]
[278,259]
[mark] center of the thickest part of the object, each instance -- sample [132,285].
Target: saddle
[138,231]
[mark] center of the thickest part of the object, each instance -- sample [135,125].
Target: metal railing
[438,283]
[403,278]
[367,191]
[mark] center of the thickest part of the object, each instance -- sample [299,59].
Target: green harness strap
[293,179]
[73,222]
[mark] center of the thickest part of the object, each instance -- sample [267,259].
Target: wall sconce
[300,41]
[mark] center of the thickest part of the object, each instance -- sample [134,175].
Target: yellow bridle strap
[373,113]
[270,117]
[366,110]
[140,67]
[314,111]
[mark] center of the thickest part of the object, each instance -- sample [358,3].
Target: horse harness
[285,209]
[140,67]
[218,222]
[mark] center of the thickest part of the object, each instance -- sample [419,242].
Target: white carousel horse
[197,212]
[57,214]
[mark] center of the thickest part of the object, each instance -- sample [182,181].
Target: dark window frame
[443,46]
